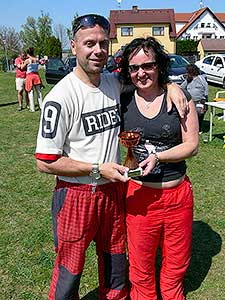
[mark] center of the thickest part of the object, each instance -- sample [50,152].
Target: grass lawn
[26,231]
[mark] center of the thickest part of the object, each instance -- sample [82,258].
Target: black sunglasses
[90,21]
[149,66]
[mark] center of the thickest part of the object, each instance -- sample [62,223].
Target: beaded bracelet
[157,161]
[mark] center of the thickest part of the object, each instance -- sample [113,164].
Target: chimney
[135,9]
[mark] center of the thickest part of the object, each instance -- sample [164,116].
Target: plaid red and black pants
[80,216]
[158,217]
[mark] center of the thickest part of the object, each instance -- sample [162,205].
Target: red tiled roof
[194,16]
[142,16]
[221,17]
[213,45]
[184,17]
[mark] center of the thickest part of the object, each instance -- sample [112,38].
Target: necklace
[147,103]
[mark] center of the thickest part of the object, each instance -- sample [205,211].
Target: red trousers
[159,217]
[80,216]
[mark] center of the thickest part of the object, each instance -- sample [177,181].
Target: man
[78,142]
[20,79]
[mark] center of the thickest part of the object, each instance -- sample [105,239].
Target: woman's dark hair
[30,51]
[147,44]
[192,70]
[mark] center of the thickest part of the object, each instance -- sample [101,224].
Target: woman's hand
[149,163]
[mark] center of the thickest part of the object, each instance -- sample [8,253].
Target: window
[126,31]
[206,36]
[158,30]
[202,25]
[218,62]
[208,60]
[208,25]
[55,64]
[222,37]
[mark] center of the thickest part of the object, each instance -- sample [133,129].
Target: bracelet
[157,161]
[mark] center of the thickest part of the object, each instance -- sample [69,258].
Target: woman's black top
[160,132]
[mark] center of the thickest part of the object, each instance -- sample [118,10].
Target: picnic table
[213,105]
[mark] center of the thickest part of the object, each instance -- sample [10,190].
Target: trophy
[129,139]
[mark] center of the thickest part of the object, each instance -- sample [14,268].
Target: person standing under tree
[21,79]
[33,80]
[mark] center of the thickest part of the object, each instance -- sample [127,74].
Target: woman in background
[159,204]
[33,80]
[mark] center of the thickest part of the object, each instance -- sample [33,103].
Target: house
[211,46]
[127,25]
[201,24]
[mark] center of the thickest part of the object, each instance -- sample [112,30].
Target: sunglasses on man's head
[149,66]
[90,21]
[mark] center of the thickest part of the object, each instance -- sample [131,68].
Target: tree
[9,40]
[53,47]
[61,33]
[185,47]
[44,24]
[70,31]
[10,45]
[37,33]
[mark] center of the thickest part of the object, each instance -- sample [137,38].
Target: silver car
[214,67]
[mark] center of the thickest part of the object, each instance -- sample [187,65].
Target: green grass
[26,231]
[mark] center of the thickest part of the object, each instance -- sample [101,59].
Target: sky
[14,13]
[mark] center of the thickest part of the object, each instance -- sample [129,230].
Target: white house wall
[212,28]
[179,26]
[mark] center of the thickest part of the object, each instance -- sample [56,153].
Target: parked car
[214,67]
[56,68]
[177,69]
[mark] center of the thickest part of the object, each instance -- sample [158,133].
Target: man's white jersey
[81,122]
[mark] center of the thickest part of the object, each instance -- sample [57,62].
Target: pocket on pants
[70,218]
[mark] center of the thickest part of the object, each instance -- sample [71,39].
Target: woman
[197,86]
[159,204]
[33,80]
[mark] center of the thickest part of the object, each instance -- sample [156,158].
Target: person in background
[33,80]
[197,86]
[21,79]
[78,142]
[159,204]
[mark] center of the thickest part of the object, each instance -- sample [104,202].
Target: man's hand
[113,172]
[176,95]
